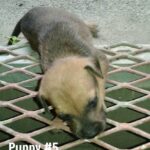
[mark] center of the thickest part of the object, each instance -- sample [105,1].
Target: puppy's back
[41,22]
[56,33]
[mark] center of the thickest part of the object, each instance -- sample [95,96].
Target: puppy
[74,71]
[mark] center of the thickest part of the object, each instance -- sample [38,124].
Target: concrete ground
[118,20]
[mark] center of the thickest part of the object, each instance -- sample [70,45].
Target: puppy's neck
[71,61]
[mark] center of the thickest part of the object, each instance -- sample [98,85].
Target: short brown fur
[74,71]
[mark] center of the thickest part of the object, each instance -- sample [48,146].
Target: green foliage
[14,40]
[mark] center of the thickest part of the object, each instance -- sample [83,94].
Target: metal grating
[22,121]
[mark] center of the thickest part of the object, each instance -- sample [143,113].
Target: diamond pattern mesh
[22,121]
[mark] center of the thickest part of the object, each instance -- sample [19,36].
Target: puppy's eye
[93,103]
[65,117]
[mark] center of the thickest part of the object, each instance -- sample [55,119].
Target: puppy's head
[75,88]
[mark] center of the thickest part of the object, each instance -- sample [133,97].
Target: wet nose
[90,131]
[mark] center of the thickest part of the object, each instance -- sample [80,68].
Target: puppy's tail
[93,27]
[15,32]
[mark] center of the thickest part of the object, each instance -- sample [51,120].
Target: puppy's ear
[94,71]
[99,64]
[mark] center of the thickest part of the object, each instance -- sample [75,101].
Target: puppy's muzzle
[87,129]
[90,130]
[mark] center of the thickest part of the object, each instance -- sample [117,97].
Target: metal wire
[130,57]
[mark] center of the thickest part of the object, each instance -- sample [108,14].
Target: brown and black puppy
[74,71]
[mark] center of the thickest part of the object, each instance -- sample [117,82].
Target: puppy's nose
[90,131]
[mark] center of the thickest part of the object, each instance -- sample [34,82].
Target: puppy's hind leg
[93,27]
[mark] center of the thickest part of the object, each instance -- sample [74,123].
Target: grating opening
[109,104]
[4,136]
[125,94]
[17,65]
[55,136]
[144,104]
[35,69]
[26,125]
[128,115]
[124,140]
[124,76]
[47,115]
[31,85]
[143,84]
[10,94]
[123,62]
[109,85]
[125,48]
[3,68]
[9,113]
[108,126]
[143,68]
[145,127]
[143,55]
[28,104]
[15,77]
